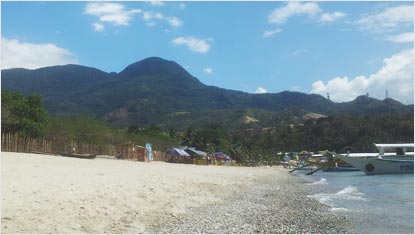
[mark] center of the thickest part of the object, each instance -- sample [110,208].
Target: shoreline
[263,207]
[52,194]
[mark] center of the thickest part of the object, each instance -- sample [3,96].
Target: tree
[188,138]
[24,115]
[172,132]
[132,129]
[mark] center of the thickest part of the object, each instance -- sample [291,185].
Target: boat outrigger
[325,162]
[401,160]
[79,155]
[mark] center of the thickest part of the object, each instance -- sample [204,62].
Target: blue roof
[197,152]
[179,152]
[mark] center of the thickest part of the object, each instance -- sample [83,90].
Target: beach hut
[177,155]
[220,156]
[194,153]
[198,157]
[131,151]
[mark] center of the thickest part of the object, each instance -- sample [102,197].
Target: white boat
[401,160]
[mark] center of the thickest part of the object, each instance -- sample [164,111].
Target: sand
[53,194]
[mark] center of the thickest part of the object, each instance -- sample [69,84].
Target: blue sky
[342,48]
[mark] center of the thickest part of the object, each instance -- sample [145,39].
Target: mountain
[53,81]
[158,91]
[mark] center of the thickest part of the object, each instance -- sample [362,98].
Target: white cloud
[156,3]
[208,70]
[17,54]
[174,21]
[280,15]
[341,89]
[113,13]
[98,27]
[396,76]
[116,14]
[261,90]
[298,52]
[402,38]
[151,18]
[99,9]
[387,20]
[149,15]
[194,44]
[270,33]
[331,17]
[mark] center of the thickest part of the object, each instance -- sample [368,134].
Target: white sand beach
[53,194]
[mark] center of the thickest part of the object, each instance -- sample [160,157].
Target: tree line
[336,133]
[25,115]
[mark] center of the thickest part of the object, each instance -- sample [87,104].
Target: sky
[345,49]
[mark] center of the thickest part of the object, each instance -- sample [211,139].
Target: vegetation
[212,139]
[23,114]
[357,133]
[93,131]
[338,132]
[245,139]
[160,92]
[26,116]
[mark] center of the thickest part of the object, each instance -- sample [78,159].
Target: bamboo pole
[14,142]
[2,140]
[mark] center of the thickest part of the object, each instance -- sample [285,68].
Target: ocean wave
[321,181]
[350,193]
[339,209]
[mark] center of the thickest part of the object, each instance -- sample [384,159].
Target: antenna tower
[328,103]
[387,99]
[367,100]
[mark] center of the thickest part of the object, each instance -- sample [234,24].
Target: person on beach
[287,160]
[119,155]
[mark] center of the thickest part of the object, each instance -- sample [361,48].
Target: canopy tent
[222,156]
[177,152]
[194,152]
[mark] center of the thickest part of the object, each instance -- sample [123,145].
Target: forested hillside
[155,91]
[289,131]
[157,101]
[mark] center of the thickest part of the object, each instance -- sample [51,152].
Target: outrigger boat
[346,168]
[79,155]
[325,162]
[401,160]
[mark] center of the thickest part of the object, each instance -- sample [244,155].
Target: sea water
[375,203]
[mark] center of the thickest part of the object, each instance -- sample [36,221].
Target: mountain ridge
[148,91]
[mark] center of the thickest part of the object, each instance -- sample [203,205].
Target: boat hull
[376,165]
[340,169]
[79,155]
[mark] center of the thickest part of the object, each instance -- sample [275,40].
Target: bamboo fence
[13,142]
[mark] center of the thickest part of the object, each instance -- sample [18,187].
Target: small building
[220,156]
[131,151]
[177,155]
[194,153]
